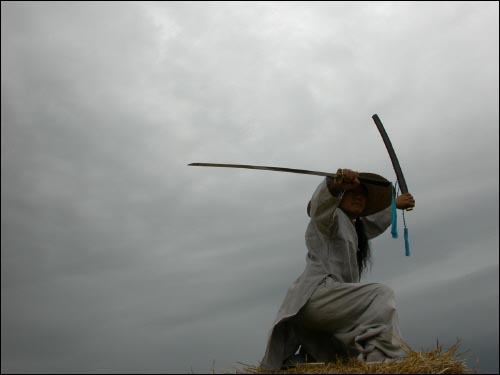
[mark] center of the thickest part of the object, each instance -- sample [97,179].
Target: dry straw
[437,361]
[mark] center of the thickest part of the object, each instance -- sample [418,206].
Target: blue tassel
[394,228]
[407,243]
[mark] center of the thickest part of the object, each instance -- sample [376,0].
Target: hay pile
[437,361]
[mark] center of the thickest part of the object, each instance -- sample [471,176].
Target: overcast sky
[118,257]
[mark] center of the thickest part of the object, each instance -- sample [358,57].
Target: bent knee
[382,290]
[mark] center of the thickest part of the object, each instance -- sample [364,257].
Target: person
[327,311]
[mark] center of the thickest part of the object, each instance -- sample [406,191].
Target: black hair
[363,254]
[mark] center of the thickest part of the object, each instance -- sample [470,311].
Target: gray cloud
[117,257]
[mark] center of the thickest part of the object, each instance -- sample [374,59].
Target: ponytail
[363,254]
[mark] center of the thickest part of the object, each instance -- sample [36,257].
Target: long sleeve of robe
[332,244]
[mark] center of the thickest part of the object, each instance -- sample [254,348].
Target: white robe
[332,246]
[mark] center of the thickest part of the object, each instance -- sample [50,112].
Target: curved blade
[392,154]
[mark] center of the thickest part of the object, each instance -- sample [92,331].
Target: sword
[288,170]
[392,155]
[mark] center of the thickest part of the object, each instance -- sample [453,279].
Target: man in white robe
[327,309]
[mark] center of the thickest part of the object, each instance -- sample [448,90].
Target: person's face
[354,202]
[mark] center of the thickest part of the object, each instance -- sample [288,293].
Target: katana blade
[392,155]
[288,170]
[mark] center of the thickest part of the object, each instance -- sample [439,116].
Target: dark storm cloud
[117,257]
